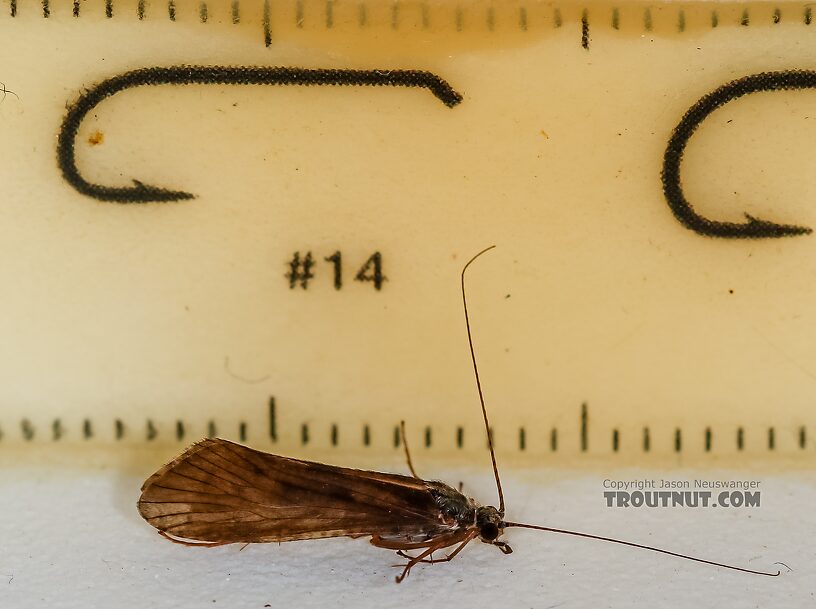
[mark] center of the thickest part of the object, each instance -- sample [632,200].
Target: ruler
[248,219]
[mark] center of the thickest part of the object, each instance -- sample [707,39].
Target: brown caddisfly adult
[218,492]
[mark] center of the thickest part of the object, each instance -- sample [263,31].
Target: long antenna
[479,383]
[641,546]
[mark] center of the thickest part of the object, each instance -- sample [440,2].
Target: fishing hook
[215,75]
[754,228]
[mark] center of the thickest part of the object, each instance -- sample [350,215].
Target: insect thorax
[455,507]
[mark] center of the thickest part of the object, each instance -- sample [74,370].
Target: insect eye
[489,531]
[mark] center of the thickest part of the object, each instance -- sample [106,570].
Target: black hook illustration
[754,228]
[215,75]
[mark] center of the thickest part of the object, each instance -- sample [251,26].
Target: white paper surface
[75,539]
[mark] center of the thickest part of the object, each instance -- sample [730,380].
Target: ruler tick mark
[13,8]
[87,429]
[108,9]
[681,21]
[267,29]
[584,427]
[179,430]
[212,431]
[715,20]
[771,438]
[203,12]
[46,9]
[554,439]
[647,442]
[777,15]
[118,429]
[428,437]
[273,422]
[235,12]
[171,10]
[808,16]
[678,440]
[491,18]
[647,19]
[140,9]
[740,438]
[299,14]
[615,18]
[460,19]
[334,434]
[745,19]
[56,429]
[802,438]
[460,437]
[366,435]
[522,439]
[585,29]
[523,19]
[615,440]
[27,430]
[304,434]
[708,439]
[151,431]
[242,431]
[426,16]
[395,16]
[557,21]
[397,439]
[329,14]
[362,15]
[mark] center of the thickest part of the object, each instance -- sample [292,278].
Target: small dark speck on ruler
[428,437]
[460,437]
[87,429]
[366,435]
[151,430]
[179,430]
[242,431]
[118,429]
[304,434]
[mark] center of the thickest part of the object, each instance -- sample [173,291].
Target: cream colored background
[130,312]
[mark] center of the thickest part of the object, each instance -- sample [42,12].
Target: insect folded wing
[222,492]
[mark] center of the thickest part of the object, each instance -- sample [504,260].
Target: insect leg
[417,559]
[503,546]
[195,544]
[450,556]
[407,452]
